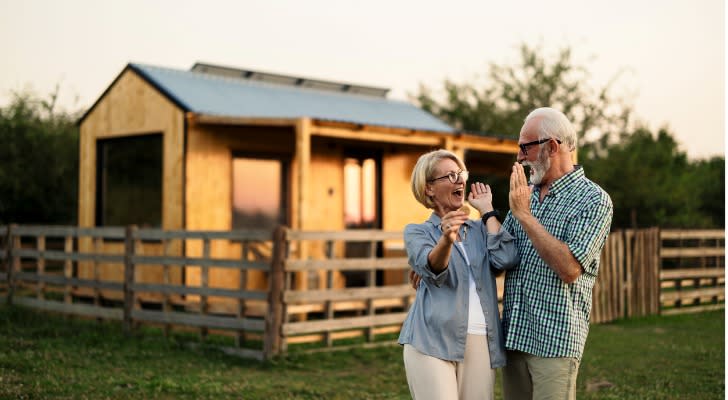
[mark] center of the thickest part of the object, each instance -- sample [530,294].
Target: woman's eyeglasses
[453,176]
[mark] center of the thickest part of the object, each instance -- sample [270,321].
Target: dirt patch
[597,385]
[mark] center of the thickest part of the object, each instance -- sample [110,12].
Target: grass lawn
[48,356]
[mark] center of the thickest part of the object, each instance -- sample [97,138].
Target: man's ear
[553,147]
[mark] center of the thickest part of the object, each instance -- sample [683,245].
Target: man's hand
[414,279]
[519,197]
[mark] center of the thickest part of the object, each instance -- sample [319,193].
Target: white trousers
[432,378]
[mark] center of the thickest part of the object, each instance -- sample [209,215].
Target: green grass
[48,356]
[671,357]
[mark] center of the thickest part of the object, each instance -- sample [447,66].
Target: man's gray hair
[554,124]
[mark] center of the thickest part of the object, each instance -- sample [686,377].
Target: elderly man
[560,222]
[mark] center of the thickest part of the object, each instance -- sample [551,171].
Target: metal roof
[288,80]
[213,94]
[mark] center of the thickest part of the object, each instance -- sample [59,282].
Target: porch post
[303,164]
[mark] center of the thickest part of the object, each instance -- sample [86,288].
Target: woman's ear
[428,191]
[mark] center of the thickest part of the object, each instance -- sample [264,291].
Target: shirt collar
[566,180]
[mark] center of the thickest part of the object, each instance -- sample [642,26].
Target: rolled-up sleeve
[588,233]
[419,244]
[502,250]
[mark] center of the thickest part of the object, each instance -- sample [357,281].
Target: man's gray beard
[538,168]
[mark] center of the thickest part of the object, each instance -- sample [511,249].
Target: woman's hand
[450,224]
[481,197]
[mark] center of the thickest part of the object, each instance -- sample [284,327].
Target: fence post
[274,317]
[629,270]
[623,284]
[656,268]
[9,264]
[129,278]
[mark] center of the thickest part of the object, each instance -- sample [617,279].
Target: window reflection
[360,212]
[257,193]
[360,199]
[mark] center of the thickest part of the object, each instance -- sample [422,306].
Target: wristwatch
[489,214]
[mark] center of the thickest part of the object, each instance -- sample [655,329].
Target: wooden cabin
[218,148]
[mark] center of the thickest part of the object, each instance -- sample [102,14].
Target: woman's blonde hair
[423,172]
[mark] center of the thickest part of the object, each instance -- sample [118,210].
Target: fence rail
[330,311]
[96,272]
[651,271]
[701,286]
[331,289]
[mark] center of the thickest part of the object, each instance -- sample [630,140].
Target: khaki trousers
[432,378]
[527,377]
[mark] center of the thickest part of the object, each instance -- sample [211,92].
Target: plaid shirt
[542,315]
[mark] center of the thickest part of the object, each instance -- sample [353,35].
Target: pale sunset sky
[670,54]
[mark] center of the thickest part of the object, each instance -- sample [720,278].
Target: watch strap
[489,214]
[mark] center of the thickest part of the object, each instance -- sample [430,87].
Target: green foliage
[49,356]
[707,181]
[652,183]
[38,162]
[510,92]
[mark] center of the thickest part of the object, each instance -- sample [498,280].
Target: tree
[38,161]
[644,174]
[652,182]
[512,91]
[706,179]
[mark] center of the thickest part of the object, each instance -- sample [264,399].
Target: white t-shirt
[476,318]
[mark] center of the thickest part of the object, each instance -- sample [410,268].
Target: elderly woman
[452,335]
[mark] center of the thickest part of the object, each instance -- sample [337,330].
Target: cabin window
[129,181]
[360,193]
[259,193]
[362,188]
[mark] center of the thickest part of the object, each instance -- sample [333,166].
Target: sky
[668,56]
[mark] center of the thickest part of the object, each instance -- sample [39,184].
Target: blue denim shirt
[437,322]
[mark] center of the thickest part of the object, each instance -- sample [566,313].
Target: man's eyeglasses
[524,146]
[453,176]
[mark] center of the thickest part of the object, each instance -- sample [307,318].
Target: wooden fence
[332,312]
[692,277]
[651,271]
[61,268]
[317,293]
